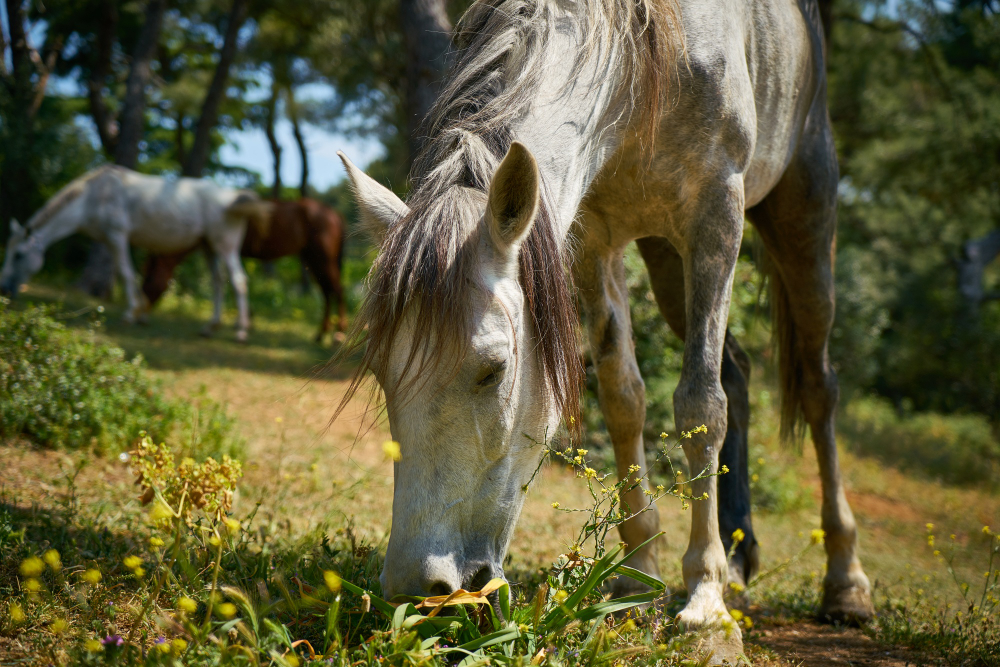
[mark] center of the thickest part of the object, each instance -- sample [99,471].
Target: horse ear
[514,197]
[379,206]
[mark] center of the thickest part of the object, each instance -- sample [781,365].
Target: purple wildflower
[160,640]
[112,641]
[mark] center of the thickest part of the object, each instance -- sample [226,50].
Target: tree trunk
[98,277]
[198,156]
[99,74]
[17,126]
[134,105]
[272,139]
[427,35]
[293,113]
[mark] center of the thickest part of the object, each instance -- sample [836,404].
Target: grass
[316,497]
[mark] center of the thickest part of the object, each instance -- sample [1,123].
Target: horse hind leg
[796,222]
[600,277]
[666,273]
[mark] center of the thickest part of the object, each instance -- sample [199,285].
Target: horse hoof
[242,336]
[720,645]
[850,605]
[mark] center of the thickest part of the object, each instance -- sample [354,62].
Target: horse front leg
[710,242]
[666,276]
[600,276]
[119,246]
[239,280]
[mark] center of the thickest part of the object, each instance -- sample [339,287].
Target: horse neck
[67,220]
[573,126]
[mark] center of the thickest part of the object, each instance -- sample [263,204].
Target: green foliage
[774,485]
[65,389]
[956,449]
[915,99]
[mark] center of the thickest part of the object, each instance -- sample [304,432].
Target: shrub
[64,389]
[956,449]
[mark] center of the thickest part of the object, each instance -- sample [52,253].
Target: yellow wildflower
[660,488]
[738,535]
[332,580]
[93,645]
[278,420]
[178,645]
[187,605]
[292,660]
[724,469]
[160,512]
[930,527]
[91,576]
[628,626]
[582,452]
[32,585]
[704,496]
[163,647]
[32,567]
[590,472]
[391,449]
[139,572]
[51,558]
[155,542]
[737,588]
[227,610]
[986,530]
[555,506]
[663,434]
[132,562]
[930,540]
[736,614]
[578,460]
[817,535]
[59,626]
[633,468]
[16,613]
[232,525]
[561,596]
[747,622]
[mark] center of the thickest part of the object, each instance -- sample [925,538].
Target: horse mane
[426,264]
[67,194]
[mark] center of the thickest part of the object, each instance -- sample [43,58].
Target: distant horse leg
[600,277]
[319,266]
[666,273]
[239,280]
[797,223]
[215,267]
[711,239]
[119,246]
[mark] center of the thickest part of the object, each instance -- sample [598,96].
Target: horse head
[466,391]
[24,258]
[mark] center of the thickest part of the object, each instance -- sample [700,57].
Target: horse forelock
[427,267]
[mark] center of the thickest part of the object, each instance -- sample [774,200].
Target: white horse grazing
[120,207]
[605,121]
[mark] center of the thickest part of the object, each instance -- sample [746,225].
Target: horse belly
[164,234]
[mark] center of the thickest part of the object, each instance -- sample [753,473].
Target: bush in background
[956,449]
[66,390]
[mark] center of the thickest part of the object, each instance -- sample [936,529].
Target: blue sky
[250,149]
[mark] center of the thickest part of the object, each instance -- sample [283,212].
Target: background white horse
[120,207]
[620,120]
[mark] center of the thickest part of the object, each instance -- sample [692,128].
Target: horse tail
[784,339]
[258,212]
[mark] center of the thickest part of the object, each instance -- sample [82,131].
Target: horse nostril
[480,578]
[440,588]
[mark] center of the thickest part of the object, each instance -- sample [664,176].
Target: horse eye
[491,376]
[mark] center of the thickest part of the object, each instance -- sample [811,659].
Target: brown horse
[304,227]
